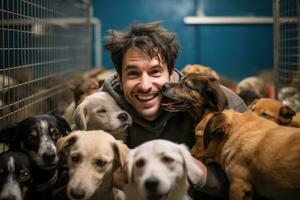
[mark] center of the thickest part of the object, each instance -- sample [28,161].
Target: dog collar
[46,186]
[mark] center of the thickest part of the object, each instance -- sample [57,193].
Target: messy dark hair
[151,38]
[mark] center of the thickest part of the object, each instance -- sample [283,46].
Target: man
[144,58]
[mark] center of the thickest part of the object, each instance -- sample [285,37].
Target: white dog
[160,169]
[100,111]
[92,157]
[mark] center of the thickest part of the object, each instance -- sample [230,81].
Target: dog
[258,155]
[201,69]
[15,175]
[160,169]
[92,157]
[37,136]
[196,93]
[276,111]
[100,111]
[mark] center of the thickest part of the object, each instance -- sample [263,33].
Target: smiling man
[144,57]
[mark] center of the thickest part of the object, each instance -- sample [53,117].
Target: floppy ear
[286,115]
[214,95]
[195,174]
[121,152]
[9,134]
[63,125]
[129,165]
[216,129]
[63,144]
[80,117]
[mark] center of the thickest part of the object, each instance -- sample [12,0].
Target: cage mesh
[44,43]
[286,47]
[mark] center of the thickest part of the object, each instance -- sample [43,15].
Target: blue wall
[235,51]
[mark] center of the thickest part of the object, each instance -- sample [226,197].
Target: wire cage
[44,43]
[286,51]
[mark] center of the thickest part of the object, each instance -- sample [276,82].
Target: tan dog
[100,111]
[258,155]
[276,111]
[160,169]
[92,157]
[200,68]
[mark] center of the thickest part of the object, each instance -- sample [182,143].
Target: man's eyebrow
[130,66]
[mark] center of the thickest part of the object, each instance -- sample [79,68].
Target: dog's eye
[33,136]
[100,163]
[56,135]
[101,111]
[167,160]
[140,163]
[265,115]
[24,175]
[75,158]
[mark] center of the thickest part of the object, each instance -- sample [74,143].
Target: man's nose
[145,83]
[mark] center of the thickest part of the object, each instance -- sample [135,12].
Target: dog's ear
[252,105]
[194,173]
[286,115]
[63,144]
[214,95]
[129,165]
[80,118]
[216,129]
[63,125]
[121,152]
[9,134]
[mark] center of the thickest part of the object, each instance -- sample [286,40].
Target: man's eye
[156,73]
[132,74]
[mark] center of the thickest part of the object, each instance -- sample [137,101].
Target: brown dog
[276,111]
[200,68]
[257,154]
[195,92]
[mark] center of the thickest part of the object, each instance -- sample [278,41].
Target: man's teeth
[146,97]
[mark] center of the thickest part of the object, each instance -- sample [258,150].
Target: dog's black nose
[9,197]
[151,184]
[123,117]
[49,156]
[77,193]
[165,87]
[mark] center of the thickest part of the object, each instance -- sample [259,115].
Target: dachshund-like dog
[276,111]
[92,158]
[259,156]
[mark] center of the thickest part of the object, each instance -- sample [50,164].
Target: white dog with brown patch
[160,170]
[92,157]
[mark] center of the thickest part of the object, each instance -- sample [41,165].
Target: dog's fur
[201,69]
[276,111]
[258,155]
[196,93]
[160,169]
[15,175]
[100,111]
[92,158]
[37,136]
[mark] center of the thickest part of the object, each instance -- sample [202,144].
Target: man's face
[142,79]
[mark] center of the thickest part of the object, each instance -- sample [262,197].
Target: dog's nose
[77,193]
[165,87]
[9,197]
[151,184]
[123,117]
[49,156]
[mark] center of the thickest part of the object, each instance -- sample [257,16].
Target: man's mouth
[145,97]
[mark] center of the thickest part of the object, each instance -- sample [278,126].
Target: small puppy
[276,111]
[196,93]
[160,169]
[37,136]
[92,158]
[15,175]
[258,155]
[100,111]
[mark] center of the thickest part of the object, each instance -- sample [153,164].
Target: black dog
[37,136]
[15,175]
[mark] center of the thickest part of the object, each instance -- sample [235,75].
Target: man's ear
[172,75]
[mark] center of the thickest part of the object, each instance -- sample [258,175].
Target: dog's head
[92,157]
[200,68]
[159,167]
[85,88]
[100,111]
[211,132]
[37,136]
[15,175]
[195,91]
[274,110]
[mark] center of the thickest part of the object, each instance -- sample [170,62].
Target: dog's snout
[77,193]
[49,157]
[9,197]
[151,184]
[165,87]
[123,117]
